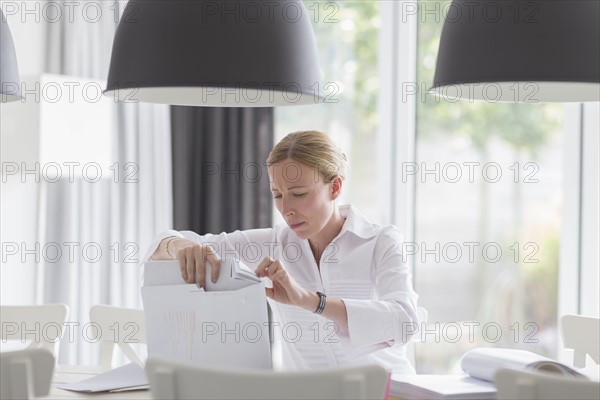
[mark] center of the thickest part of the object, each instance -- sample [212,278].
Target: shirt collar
[356,222]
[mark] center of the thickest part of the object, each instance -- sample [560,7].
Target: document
[441,387]
[483,363]
[225,326]
[480,365]
[127,377]
[233,275]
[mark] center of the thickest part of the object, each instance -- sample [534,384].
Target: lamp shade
[520,51]
[215,53]
[10,84]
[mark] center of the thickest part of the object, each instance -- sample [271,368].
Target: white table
[71,374]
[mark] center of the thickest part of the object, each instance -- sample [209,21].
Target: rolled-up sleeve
[250,246]
[156,242]
[391,315]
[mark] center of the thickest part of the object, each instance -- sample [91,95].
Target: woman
[338,280]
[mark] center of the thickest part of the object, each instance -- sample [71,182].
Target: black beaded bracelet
[322,300]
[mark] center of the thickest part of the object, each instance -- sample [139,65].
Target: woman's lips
[296,225]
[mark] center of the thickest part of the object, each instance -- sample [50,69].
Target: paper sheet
[233,275]
[441,387]
[127,377]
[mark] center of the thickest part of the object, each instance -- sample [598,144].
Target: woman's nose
[286,208]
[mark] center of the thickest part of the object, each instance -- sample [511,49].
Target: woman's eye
[295,195]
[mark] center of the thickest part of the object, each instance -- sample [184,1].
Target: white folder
[221,328]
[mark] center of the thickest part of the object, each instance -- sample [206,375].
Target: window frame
[397,126]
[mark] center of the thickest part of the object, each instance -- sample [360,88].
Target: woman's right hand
[192,258]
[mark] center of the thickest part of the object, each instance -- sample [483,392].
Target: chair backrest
[515,384]
[176,380]
[581,334]
[26,374]
[42,325]
[118,326]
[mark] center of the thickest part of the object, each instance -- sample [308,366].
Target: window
[487,219]
[487,205]
[347,38]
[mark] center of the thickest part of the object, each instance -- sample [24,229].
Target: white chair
[25,374]
[43,325]
[121,327]
[581,334]
[176,380]
[514,384]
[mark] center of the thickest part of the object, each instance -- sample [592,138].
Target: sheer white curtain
[119,214]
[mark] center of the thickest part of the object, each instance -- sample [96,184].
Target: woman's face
[302,198]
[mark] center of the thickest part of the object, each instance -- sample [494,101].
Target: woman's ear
[336,187]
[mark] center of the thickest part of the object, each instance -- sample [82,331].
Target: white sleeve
[391,316]
[159,238]
[250,246]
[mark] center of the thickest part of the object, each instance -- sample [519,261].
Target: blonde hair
[314,149]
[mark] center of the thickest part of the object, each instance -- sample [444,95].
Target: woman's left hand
[285,289]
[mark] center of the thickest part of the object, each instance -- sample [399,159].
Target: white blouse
[363,266]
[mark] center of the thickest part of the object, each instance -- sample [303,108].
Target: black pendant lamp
[10,84]
[215,53]
[520,51]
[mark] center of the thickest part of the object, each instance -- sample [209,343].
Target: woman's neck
[319,242]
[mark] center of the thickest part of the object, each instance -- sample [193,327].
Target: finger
[215,264]
[182,267]
[201,270]
[190,265]
[198,265]
[274,268]
[261,270]
[278,276]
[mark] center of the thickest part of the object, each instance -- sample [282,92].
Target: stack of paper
[441,387]
[225,326]
[127,377]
